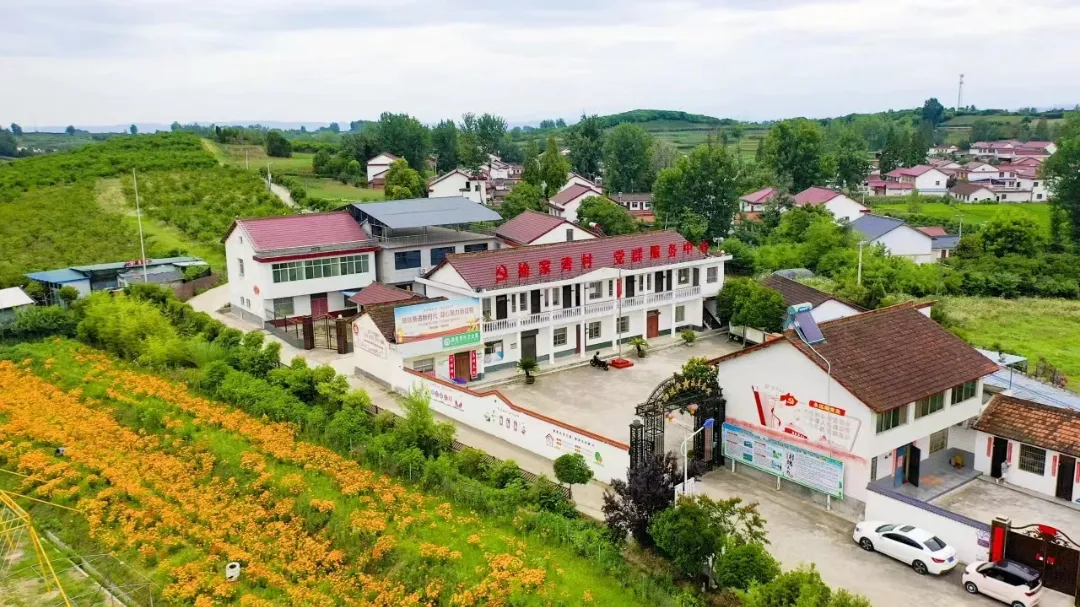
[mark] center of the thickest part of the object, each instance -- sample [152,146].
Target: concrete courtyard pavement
[982,500]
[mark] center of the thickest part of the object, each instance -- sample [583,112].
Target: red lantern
[567,264]
[672,250]
[523,269]
[501,273]
[654,251]
[704,247]
[620,256]
[636,255]
[545,267]
[586,261]
[687,247]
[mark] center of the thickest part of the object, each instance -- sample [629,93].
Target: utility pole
[138,214]
[858,276]
[960,94]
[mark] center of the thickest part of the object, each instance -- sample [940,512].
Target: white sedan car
[907,544]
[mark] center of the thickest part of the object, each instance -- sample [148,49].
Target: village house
[1027,178]
[887,187]
[460,182]
[114,275]
[980,171]
[755,202]
[13,299]
[923,177]
[565,203]
[639,204]
[946,149]
[378,293]
[546,302]
[837,405]
[837,203]
[943,243]
[377,168]
[533,227]
[1030,445]
[574,179]
[973,191]
[898,238]
[825,306]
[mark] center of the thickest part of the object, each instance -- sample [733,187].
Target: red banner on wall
[989,445]
[452,374]
[1008,454]
[472,364]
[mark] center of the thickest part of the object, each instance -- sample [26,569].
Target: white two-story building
[551,301]
[861,399]
[898,238]
[566,202]
[923,177]
[460,182]
[842,207]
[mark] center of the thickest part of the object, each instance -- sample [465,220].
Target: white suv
[1007,581]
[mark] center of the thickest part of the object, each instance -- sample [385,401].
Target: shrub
[572,469]
[503,473]
[685,535]
[631,504]
[743,566]
[688,336]
[37,321]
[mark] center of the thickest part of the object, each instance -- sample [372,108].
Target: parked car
[907,544]
[1007,581]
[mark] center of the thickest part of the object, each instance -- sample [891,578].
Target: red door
[319,306]
[652,325]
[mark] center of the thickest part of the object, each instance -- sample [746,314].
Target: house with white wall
[565,203]
[866,398]
[898,238]
[11,301]
[972,191]
[533,227]
[1027,178]
[825,306]
[551,301]
[639,204]
[574,179]
[378,166]
[297,265]
[837,203]
[755,202]
[496,168]
[886,187]
[1039,443]
[924,177]
[460,182]
[980,171]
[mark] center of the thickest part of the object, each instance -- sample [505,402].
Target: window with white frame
[611,288]
[318,268]
[596,290]
[712,274]
[680,313]
[930,404]
[523,302]
[559,338]
[624,324]
[594,329]
[684,276]
[1032,459]
[892,418]
[424,365]
[964,391]
[283,306]
[555,296]
[240,266]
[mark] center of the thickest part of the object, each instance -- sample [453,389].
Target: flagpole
[138,214]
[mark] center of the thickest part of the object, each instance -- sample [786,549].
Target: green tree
[850,158]
[627,161]
[892,154]
[16,129]
[703,183]
[632,504]
[572,469]
[1041,132]
[70,130]
[444,146]
[403,182]
[699,526]
[8,145]
[524,197]
[664,155]
[984,130]
[744,566]
[586,143]
[134,130]
[613,219]
[530,165]
[1010,234]
[917,145]
[277,146]
[334,128]
[794,149]
[68,295]
[554,168]
[933,111]
[490,133]
[404,136]
[1062,170]
[321,163]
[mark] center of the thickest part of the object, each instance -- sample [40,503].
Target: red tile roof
[797,293]
[815,195]
[760,196]
[529,226]
[379,293]
[1030,152]
[966,189]
[571,193]
[1036,424]
[892,185]
[932,231]
[890,357]
[304,230]
[1036,145]
[914,171]
[479,269]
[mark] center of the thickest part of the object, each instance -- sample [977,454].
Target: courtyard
[603,401]
[982,500]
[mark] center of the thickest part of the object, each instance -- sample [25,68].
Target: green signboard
[461,339]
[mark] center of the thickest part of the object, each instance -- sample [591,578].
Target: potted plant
[529,366]
[688,337]
[640,345]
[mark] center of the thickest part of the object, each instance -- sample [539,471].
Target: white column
[673,319]
[645,322]
[520,350]
[583,339]
[615,335]
[551,344]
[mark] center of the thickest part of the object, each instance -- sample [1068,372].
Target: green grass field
[254,158]
[332,189]
[1027,326]
[973,213]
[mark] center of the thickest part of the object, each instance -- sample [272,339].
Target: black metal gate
[1041,547]
[332,333]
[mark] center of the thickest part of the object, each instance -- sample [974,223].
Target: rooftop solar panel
[808,328]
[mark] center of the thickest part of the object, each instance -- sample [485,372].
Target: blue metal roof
[422,212]
[1022,386]
[58,276]
[874,226]
[945,242]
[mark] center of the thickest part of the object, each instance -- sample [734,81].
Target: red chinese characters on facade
[523,269]
[586,261]
[501,273]
[688,247]
[545,267]
[567,264]
[654,251]
[672,250]
[704,247]
[620,257]
[637,255]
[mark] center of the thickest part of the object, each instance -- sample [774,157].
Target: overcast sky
[93,62]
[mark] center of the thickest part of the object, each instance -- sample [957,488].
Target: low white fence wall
[969,537]
[493,413]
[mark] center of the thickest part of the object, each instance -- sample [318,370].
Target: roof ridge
[289,216]
[911,303]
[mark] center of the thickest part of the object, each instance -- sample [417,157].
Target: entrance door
[568,296]
[1065,470]
[1000,452]
[913,458]
[500,307]
[652,325]
[462,366]
[319,305]
[631,283]
[528,345]
[534,301]
[658,280]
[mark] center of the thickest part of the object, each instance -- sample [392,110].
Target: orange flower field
[182,485]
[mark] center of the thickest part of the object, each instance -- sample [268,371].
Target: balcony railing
[590,310]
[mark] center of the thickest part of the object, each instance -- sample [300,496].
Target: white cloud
[104,62]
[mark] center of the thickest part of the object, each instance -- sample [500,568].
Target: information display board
[798,465]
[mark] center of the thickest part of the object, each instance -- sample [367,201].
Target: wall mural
[809,420]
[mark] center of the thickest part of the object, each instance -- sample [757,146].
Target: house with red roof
[574,179]
[754,202]
[377,168]
[534,227]
[838,405]
[565,203]
[925,178]
[639,204]
[459,182]
[883,187]
[552,301]
[836,202]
